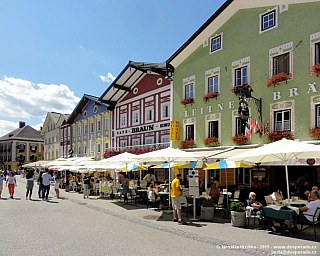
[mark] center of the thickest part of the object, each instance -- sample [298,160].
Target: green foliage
[237,207]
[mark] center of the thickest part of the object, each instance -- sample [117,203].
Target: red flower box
[187,101]
[243,89]
[211,141]
[239,139]
[276,79]
[315,70]
[279,135]
[210,95]
[314,133]
[187,143]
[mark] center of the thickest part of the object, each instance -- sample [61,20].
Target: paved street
[74,226]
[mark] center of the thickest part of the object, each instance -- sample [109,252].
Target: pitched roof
[129,77]
[82,103]
[24,133]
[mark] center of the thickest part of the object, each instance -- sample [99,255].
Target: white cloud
[26,100]
[108,78]
[7,126]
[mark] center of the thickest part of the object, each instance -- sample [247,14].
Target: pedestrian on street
[176,202]
[11,183]
[125,187]
[2,178]
[40,190]
[86,186]
[46,177]
[57,181]
[30,184]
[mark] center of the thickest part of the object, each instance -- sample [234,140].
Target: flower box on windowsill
[211,141]
[243,89]
[187,144]
[210,95]
[314,133]
[239,139]
[315,70]
[187,101]
[276,79]
[279,135]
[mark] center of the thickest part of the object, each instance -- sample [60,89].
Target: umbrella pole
[169,185]
[287,178]
[225,170]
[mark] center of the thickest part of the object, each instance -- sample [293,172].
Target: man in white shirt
[307,212]
[46,177]
[149,178]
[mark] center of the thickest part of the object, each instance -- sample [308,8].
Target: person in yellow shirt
[175,198]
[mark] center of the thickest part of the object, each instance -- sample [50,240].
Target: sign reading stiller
[175,130]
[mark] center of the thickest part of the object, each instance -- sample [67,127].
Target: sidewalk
[219,232]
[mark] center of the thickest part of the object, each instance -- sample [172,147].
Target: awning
[207,153]
[227,154]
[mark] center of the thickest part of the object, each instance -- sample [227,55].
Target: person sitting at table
[293,189]
[276,195]
[306,212]
[216,181]
[306,187]
[153,195]
[308,193]
[256,183]
[214,192]
[255,204]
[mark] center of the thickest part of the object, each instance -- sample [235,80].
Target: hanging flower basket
[243,89]
[187,101]
[276,79]
[315,70]
[239,139]
[187,144]
[314,133]
[210,95]
[279,135]
[211,141]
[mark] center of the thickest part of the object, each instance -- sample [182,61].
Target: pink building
[140,96]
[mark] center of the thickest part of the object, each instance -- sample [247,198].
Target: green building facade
[249,43]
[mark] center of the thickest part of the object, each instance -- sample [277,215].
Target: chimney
[21,124]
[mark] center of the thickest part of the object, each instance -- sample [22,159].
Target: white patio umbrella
[59,161]
[282,150]
[168,155]
[124,158]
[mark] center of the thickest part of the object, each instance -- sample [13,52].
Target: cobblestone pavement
[76,226]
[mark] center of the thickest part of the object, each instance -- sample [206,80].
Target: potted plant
[243,89]
[278,78]
[210,95]
[187,143]
[315,70]
[238,214]
[207,210]
[314,133]
[211,141]
[187,101]
[279,135]
[239,139]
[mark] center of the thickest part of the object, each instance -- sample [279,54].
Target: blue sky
[53,52]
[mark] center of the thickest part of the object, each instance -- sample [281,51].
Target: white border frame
[276,20]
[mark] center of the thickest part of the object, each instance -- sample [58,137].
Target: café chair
[133,196]
[268,199]
[220,205]
[115,193]
[313,223]
[251,214]
[97,188]
[236,196]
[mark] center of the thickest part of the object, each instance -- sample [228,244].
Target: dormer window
[216,43]
[268,20]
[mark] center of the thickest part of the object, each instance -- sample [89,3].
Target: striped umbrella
[226,164]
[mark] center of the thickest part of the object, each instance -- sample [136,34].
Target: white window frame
[314,50]
[149,114]
[149,141]
[188,82]
[73,133]
[238,121]
[106,145]
[214,39]
[98,148]
[123,120]
[165,109]
[284,122]
[243,78]
[276,107]
[189,91]
[85,149]
[165,139]
[106,124]
[79,151]
[98,125]
[261,20]
[123,144]
[239,66]
[85,129]
[136,117]
[135,142]
[281,50]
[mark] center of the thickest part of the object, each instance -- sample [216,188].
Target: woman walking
[30,184]
[57,181]
[11,183]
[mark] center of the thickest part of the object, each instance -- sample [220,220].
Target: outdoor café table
[283,213]
[143,194]
[164,196]
[297,203]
